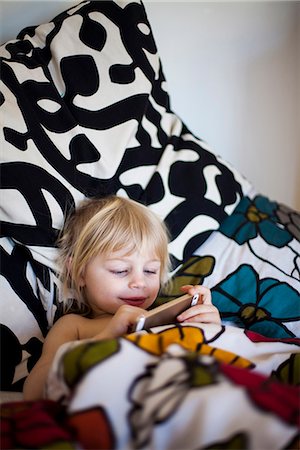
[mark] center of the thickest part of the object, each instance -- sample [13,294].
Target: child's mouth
[134,301]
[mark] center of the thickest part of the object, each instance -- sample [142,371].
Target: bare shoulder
[69,319]
[80,327]
[66,328]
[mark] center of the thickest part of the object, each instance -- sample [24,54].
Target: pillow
[251,264]
[85,113]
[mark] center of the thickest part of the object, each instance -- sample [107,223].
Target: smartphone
[166,313]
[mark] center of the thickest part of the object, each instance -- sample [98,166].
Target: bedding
[177,387]
[251,265]
[111,129]
[86,112]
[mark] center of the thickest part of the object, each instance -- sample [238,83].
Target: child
[113,259]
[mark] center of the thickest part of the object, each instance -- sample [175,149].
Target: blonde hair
[106,225]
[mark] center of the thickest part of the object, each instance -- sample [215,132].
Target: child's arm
[204,311]
[64,330]
[73,327]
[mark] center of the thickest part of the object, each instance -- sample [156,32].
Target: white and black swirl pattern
[85,113]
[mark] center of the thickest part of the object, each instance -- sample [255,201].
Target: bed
[86,112]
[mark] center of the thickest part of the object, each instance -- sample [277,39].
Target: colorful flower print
[289,371]
[158,393]
[290,219]
[189,338]
[86,355]
[256,217]
[193,271]
[264,306]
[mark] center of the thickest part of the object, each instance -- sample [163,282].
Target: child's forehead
[146,252]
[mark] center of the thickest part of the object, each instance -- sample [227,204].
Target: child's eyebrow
[115,259]
[125,259]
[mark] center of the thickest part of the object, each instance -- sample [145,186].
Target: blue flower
[256,217]
[263,306]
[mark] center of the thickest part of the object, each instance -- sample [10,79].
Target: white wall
[15,15]
[233,70]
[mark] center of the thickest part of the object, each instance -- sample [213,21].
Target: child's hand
[204,311]
[122,322]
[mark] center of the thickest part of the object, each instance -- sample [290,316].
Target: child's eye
[151,272]
[119,272]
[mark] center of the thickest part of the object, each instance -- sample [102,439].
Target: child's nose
[137,280]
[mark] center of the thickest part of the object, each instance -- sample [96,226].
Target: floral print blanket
[234,386]
[176,387]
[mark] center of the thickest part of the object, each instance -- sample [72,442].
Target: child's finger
[204,318]
[204,292]
[197,310]
[186,287]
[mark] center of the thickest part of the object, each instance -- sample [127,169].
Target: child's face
[118,278]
